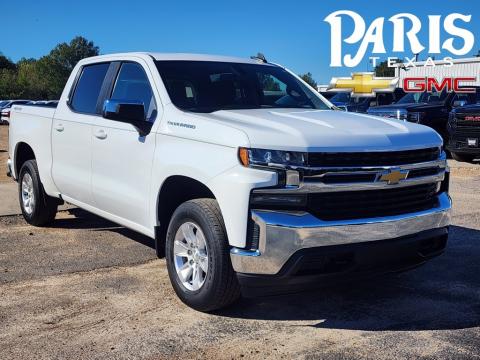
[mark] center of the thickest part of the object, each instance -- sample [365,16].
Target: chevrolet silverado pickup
[248,181]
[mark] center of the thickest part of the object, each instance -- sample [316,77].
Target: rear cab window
[88,87]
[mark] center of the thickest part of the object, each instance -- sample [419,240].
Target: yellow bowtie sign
[363,84]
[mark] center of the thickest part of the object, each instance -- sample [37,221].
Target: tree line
[43,78]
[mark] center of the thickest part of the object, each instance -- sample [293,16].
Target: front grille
[461,120]
[468,124]
[347,205]
[340,179]
[462,132]
[380,158]
[332,178]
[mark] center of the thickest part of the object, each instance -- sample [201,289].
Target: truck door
[72,134]
[122,159]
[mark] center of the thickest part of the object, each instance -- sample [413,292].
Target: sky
[292,33]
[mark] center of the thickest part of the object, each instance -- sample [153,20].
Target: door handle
[100,134]
[59,127]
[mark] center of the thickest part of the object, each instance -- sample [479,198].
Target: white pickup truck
[248,180]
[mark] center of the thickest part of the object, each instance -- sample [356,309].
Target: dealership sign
[405,26]
[366,84]
[363,84]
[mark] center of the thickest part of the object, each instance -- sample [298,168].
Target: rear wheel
[37,207]
[198,256]
[463,157]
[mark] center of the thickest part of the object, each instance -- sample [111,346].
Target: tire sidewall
[189,212]
[29,168]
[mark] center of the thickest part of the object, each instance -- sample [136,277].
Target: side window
[132,84]
[88,88]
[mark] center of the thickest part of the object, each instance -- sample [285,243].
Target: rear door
[122,159]
[72,134]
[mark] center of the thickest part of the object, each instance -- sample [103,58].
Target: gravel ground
[86,288]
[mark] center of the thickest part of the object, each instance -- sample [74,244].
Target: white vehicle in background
[5,107]
[243,175]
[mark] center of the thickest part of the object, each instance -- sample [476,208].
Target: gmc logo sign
[472,118]
[430,84]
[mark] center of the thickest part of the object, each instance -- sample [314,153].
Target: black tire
[45,207]
[463,157]
[220,287]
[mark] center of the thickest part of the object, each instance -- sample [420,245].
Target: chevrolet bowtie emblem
[394,177]
[363,84]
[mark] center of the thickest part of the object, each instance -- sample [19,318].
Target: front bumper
[282,234]
[339,264]
[464,149]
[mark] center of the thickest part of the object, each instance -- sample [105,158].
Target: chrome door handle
[59,127]
[100,134]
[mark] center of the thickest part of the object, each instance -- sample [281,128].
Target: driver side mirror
[127,111]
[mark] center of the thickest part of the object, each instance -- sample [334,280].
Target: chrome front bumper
[284,233]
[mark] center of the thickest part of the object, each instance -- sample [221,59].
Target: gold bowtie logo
[394,177]
[363,84]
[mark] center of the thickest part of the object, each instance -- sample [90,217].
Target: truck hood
[325,130]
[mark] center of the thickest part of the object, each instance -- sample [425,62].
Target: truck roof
[178,56]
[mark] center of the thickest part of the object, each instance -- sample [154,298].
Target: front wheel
[463,157]
[37,207]
[198,256]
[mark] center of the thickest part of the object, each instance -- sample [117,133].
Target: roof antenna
[260,57]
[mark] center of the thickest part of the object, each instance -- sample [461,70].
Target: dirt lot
[86,288]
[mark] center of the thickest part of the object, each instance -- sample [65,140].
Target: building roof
[440,62]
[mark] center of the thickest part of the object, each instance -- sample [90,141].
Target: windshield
[207,86]
[3,103]
[425,98]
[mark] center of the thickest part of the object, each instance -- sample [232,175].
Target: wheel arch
[174,191]
[23,153]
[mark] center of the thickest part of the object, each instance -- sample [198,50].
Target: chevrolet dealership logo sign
[363,84]
[393,177]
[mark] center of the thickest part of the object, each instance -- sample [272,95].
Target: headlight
[263,157]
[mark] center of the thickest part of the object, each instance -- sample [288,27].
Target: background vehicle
[430,109]
[464,130]
[327,94]
[50,103]
[5,109]
[243,175]
[362,104]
